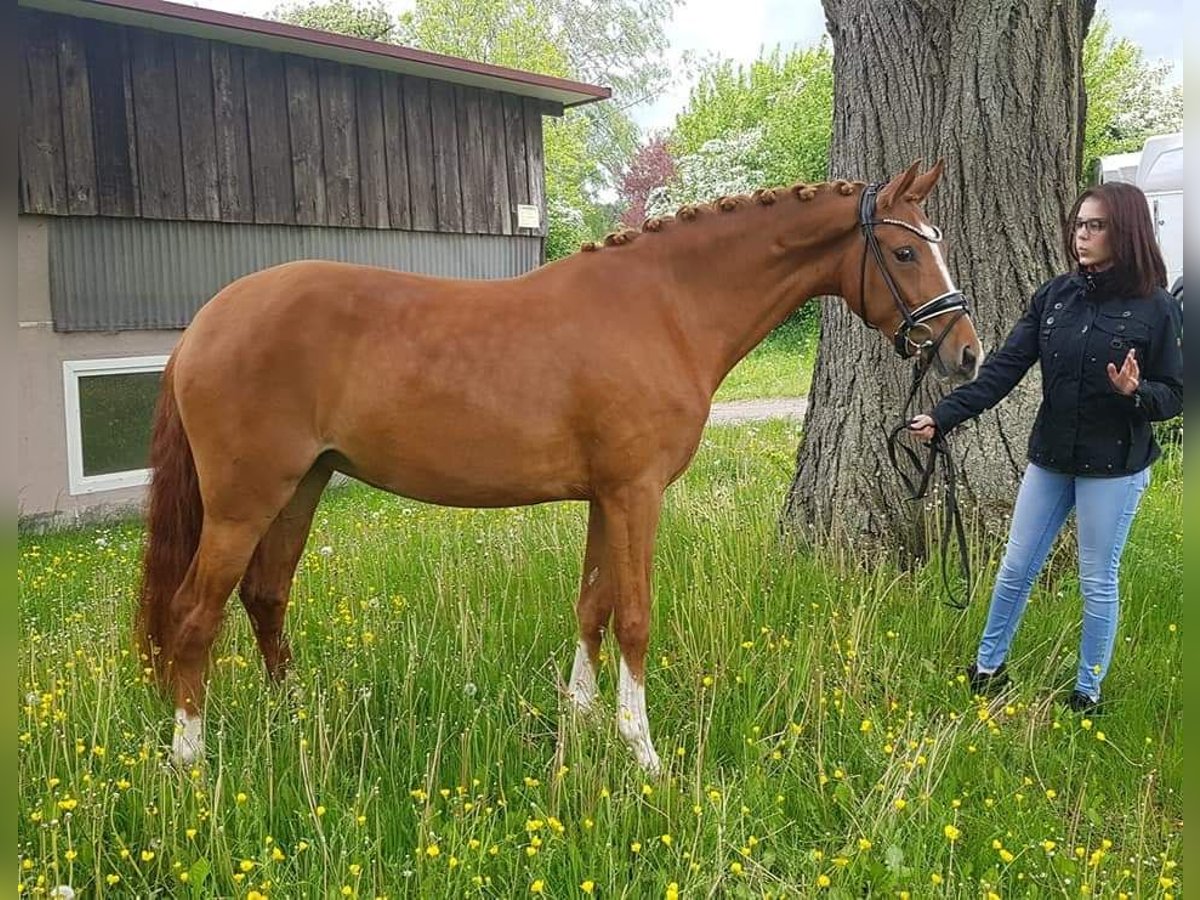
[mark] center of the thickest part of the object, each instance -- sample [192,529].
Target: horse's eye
[905,254]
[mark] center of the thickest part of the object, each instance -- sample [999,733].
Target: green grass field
[818,740]
[781,366]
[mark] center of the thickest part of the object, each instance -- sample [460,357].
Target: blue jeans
[1104,509]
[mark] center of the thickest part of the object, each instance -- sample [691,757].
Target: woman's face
[1091,234]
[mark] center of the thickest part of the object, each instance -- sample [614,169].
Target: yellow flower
[899,803]
[1164,882]
[347,891]
[538,887]
[735,868]
[355,869]
[952,833]
[320,811]
[247,865]
[191,833]
[1051,793]
[277,854]
[866,726]
[647,790]
[112,879]
[935,879]
[255,895]
[587,886]
[864,844]
[1048,845]
[672,891]
[1100,736]
[68,803]
[1085,724]
[666,839]
[147,855]
[636,846]
[1006,856]
[823,880]
[433,851]
[240,798]
[71,854]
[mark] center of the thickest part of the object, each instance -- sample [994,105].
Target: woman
[1108,336]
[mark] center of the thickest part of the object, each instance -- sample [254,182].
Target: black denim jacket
[1076,325]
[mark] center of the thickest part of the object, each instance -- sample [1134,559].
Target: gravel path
[755,410]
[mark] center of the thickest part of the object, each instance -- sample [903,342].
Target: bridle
[915,337]
[916,321]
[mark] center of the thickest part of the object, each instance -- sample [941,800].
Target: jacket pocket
[1120,332]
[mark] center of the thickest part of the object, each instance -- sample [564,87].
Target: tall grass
[817,736]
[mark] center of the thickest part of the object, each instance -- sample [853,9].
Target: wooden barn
[165,150]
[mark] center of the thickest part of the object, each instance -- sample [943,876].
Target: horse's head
[902,286]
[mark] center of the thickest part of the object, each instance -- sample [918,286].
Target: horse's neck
[737,275]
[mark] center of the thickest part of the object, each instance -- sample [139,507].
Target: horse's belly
[471,468]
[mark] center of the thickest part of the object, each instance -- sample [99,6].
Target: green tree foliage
[1129,99]
[369,20]
[782,103]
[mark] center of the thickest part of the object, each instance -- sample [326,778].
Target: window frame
[73,369]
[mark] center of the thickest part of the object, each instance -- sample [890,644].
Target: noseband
[915,334]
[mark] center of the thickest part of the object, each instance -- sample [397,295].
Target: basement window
[110,408]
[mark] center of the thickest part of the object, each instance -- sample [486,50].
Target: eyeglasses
[1093,226]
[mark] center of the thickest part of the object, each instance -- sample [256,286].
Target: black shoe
[982,683]
[1081,703]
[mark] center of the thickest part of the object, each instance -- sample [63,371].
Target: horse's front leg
[593,611]
[630,522]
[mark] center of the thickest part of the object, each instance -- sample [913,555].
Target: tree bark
[996,89]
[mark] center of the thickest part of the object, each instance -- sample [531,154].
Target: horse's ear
[898,186]
[923,185]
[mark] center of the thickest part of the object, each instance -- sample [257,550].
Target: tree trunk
[996,89]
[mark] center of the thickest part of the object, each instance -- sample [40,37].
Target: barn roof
[178,18]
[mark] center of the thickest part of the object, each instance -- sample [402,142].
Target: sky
[739,29]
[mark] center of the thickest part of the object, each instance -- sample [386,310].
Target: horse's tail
[174,517]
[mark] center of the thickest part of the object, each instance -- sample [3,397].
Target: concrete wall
[43,493]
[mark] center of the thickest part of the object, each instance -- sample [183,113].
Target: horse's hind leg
[268,580]
[235,520]
[199,608]
[593,611]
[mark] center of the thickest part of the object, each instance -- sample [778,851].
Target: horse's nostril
[968,358]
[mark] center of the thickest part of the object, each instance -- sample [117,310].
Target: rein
[952,303]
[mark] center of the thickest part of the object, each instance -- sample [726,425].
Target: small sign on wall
[528,216]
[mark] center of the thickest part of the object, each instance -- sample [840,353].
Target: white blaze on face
[940,260]
[188,744]
[583,680]
[632,722]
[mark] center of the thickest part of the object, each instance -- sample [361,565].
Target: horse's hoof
[188,743]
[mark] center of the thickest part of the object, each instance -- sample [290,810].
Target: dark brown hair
[1137,263]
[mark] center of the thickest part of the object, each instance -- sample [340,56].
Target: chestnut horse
[590,378]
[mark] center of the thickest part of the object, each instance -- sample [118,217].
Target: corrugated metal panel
[121,274]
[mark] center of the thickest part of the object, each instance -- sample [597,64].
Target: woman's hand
[923,427]
[1126,380]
